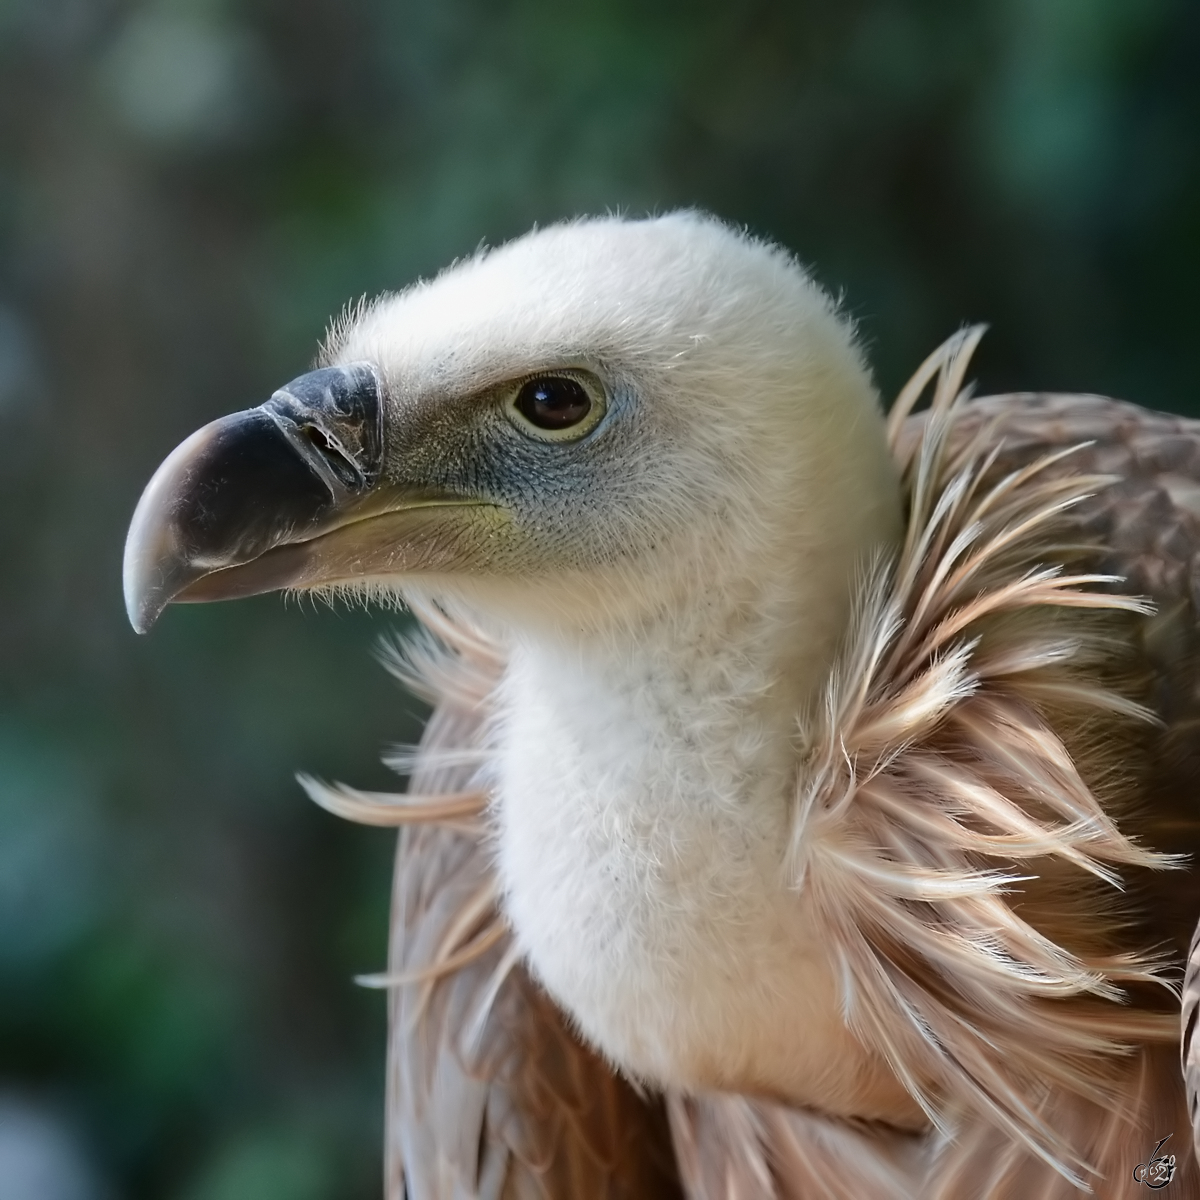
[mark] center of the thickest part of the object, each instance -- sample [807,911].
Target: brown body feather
[1007,756]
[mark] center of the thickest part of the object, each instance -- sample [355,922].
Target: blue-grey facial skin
[571,502]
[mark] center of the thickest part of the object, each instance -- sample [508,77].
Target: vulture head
[596,426]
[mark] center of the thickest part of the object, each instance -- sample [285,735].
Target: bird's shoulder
[1141,524]
[1147,518]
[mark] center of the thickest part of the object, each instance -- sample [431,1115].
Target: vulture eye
[558,407]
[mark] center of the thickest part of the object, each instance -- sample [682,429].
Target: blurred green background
[188,189]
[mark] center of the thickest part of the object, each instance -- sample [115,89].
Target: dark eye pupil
[553,402]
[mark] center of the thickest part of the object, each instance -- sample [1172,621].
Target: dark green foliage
[189,188]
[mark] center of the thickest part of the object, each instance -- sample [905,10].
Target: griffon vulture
[807,802]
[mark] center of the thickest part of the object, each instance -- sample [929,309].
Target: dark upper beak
[230,511]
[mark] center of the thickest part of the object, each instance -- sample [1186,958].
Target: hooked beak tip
[151,556]
[144,561]
[142,607]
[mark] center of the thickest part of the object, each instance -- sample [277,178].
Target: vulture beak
[285,495]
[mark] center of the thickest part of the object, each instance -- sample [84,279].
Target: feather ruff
[936,794]
[936,787]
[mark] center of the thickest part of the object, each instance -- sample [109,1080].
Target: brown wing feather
[739,1148]
[1146,526]
[1189,1048]
[489,1093]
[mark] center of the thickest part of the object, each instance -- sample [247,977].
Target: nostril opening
[334,454]
[320,439]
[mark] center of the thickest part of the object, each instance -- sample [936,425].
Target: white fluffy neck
[696,707]
[644,780]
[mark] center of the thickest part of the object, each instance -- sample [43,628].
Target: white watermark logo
[1159,1171]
